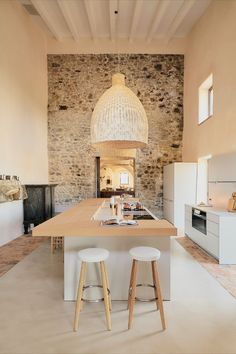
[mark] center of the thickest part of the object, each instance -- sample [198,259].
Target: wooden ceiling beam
[181,14]
[39,6]
[136,16]
[162,6]
[63,5]
[91,17]
[113,6]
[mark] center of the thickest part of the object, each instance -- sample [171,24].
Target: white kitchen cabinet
[179,188]
[222,168]
[220,239]
[168,210]
[11,221]
[212,244]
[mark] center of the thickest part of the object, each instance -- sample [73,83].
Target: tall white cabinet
[180,183]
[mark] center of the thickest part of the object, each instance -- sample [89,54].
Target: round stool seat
[93,255]
[145,254]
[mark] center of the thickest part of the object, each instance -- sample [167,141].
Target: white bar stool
[93,255]
[145,254]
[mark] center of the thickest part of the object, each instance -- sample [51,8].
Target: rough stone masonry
[75,83]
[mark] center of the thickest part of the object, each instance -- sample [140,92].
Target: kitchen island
[81,228]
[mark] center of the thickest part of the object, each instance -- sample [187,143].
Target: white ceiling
[96,19]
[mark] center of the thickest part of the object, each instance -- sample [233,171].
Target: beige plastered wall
[211,48]
[104,46]
[23,96]
[23,108]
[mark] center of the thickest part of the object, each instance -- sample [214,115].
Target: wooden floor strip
[14,251]
[224,274]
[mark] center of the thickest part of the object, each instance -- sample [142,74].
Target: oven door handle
[200,216]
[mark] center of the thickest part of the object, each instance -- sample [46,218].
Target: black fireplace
[39,206]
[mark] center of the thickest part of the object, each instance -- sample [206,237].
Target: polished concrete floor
[225,274]
[201,318]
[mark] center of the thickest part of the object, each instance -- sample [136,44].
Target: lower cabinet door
[201,239]
[212,244]
[188,227]
[168,209]
[212,228]
[198,237]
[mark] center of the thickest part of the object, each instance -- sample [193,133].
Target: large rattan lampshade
[119,119]
[104,151]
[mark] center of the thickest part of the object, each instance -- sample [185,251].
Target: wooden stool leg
[52,244]
[130,284]
[84,280]
[108,285]
[105,294]
[156,281]
[133,292]
[79,295]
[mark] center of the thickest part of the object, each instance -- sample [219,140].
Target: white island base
[118,265]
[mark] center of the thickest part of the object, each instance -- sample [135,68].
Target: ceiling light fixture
[113,152]
[119,119]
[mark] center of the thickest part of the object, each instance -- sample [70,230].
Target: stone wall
[75,84]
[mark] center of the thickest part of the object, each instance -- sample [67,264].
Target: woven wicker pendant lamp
[104,151]
[119,119]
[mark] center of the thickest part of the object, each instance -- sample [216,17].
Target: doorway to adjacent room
[116,176]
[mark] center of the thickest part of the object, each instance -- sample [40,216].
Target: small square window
[124,178]
[205,97]
[210,101]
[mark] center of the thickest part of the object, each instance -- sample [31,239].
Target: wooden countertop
[78,221]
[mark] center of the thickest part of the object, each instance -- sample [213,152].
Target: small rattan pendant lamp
[119,119]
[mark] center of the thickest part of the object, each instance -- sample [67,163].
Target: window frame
[124,173]
[210,101]
[206,100]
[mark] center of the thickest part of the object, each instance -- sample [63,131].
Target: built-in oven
[199,220]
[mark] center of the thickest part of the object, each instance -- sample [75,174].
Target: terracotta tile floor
[224,274]
[14,251]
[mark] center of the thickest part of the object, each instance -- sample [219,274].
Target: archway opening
[117,176]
